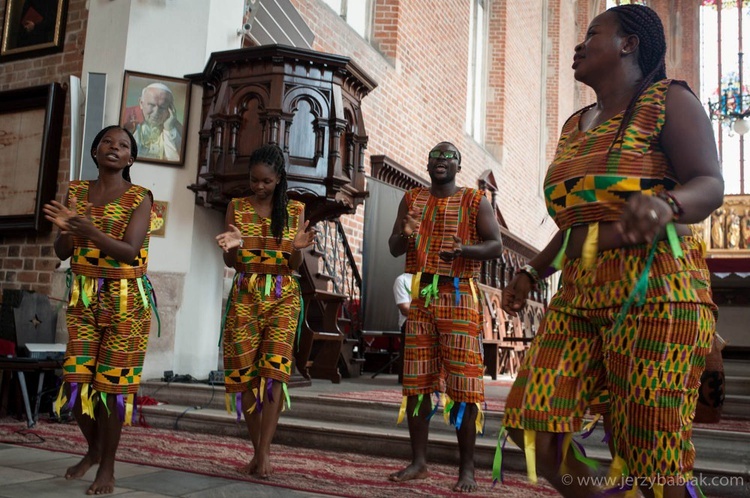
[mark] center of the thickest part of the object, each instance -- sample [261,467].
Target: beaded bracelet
[673,203]
[404,236]
[531,272]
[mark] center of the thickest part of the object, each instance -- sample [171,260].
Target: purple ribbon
[589,432]
[560,442]
[120,406]
[269,387]
[135,409]
[607,436]
[579,446]
[100,284]
[73,395]
[240,277]
[278,286]
[690,486]
[238,406]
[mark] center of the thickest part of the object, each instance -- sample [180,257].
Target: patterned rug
[335,474]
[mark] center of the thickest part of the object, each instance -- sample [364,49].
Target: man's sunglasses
[448,154]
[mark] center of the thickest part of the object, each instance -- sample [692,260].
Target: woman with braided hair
[104,229]
[629,329]
[265,234]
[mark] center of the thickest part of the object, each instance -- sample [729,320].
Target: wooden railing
[506,338]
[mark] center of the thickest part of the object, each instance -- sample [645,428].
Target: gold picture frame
[157,124]
[33,28]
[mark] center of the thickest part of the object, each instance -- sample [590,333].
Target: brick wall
[27,261]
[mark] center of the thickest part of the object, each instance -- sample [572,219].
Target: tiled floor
[34,473]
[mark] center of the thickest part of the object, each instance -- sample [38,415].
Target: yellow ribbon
[74,292]
[415,285]
[123,295]
[474,292]
[128,410]
[567,439]
[255,402]
[402,411]
[228,402]
[87,403]
[479,423]
[60,401]
[529,448]
[590,246]
[590,425]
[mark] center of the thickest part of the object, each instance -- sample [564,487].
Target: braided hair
[644,23]
[272,156]
[133,147]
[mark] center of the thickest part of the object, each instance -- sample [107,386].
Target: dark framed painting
[33,28]
[155,110]
[31,121]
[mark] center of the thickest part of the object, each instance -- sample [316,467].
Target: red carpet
[338,474]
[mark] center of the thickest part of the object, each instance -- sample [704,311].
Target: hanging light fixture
[733,105]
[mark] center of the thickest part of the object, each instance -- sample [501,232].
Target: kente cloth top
[261,253]
[113,219]
[586,184]
[441,219]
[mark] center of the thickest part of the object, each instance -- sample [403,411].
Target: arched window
[724,86]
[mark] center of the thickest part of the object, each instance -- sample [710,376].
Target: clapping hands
[67,220]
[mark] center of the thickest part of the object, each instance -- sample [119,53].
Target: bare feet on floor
[413,471]
[466,482]
[104,483]
[264,470]
[78,470]
[250,468]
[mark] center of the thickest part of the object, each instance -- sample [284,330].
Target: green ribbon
[497,463]
[286,395]
[674,241]
[142,292]
[420,397]
[269,282]
[583,458]
[557,262]
[431,291]
[103,396]
[150,293]
[84,296]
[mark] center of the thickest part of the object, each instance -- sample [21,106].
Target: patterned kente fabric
[585,184]
[261,253]
[112,219]
[441,219]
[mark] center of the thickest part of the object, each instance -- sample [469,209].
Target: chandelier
[733,105]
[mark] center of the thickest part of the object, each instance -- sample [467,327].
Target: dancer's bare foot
[104,483]
[466,482]
[249,469]
[413,471]
[264,470]
[78,470]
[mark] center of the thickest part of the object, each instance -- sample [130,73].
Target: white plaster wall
[171,38]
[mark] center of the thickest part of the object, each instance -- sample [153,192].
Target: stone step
[335,424]
[737,385]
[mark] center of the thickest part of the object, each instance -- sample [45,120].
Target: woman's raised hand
[230,239]
[304,238]
[59,214]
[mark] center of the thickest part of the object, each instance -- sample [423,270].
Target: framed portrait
[155,110]
[33,28]
[31,121]
[159,219]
